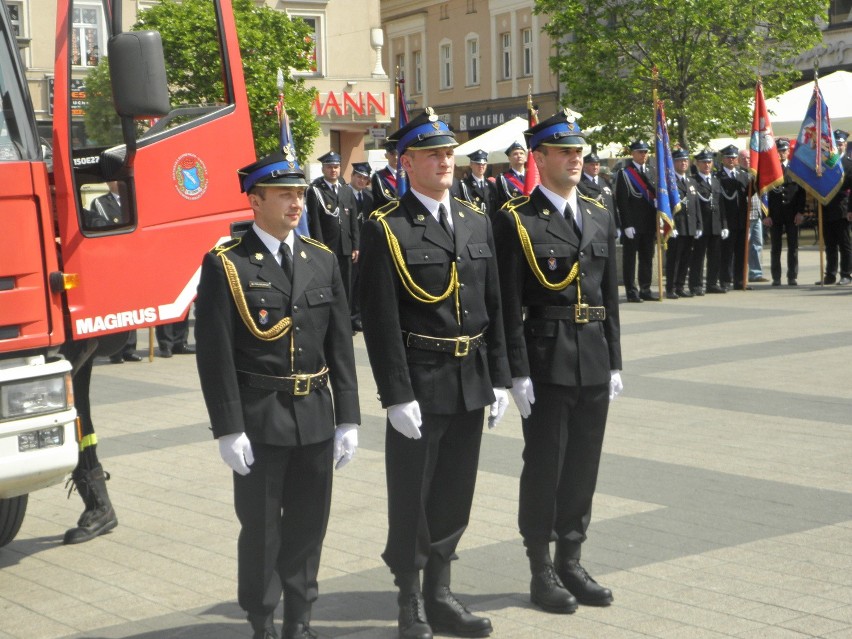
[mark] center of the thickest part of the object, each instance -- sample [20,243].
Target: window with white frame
[446,64]
[16,13]
[527,59]
[400,65]
[315,55]
[506,56]
[417,61]
[472,60]
[87,34]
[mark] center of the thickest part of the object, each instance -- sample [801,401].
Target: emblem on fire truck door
[190,176]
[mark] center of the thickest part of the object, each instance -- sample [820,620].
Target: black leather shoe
[165,352]
[298,631]
[580,584]
[263,627]
[634,297]
[776,282]
[131,357]
[548,593]
[184,349]
[715,289]
[116,359]
[828,280]
[742,287]
[412,617]
[698,291]
[448,614]
[671,295]
[357,326]
[792,283]
[682,292]
[727,285]
[648,296]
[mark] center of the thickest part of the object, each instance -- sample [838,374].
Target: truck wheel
[11,517]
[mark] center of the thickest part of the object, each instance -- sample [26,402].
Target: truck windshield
[12,115]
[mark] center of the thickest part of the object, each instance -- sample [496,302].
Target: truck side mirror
[138,71]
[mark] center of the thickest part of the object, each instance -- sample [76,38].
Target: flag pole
[748,232]
[819,172]
[659,232]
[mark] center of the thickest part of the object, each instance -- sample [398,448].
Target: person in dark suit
[734,203]
[434,335]
[511,183]
[274,349]
[383,181]
[359,182]
[688,226]
[333,216]
[836,214]
[592,184]
[786,212]
[476,189]
[713,229]
[556,251]
[635,194]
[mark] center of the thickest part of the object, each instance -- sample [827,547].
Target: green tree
[103,127]
[708,53]
[269,40]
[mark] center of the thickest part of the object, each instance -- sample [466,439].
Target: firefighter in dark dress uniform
[475,188]
[511,183]
[430,304]
[713,229]
[556,250]
[688,226]
[383,181]
[277,371]
[594,185]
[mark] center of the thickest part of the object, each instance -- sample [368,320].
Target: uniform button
[582,254]
[321,296]
[583,274]
[461,285]
[299,349]
[263,300]
[551,251]
[298,328]
[458,259]
[465,312]
[425,257]
[480,251]
[295,309]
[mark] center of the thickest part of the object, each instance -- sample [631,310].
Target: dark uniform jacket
[688,218]
[634,210]
[600,192]
[364,206]
[383,186]
[321,334]
[786,200]
[733,198]
[556,351]
[484,198]
[507,186]
[712,216]
[837,208]
[105,212]
[441,382]
[333,218]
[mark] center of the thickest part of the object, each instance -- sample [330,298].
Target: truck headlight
[30,397]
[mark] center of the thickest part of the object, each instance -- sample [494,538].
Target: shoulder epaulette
[226,246]
[473,208]
[590,200]
[515,202]
[314,242]
[384,209]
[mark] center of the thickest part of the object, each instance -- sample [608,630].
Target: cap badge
[431,113]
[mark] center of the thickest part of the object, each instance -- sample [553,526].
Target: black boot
[263,626]
[546,591]
[98,517]
[412,613]
[297,618]
[445,612]
[579,583]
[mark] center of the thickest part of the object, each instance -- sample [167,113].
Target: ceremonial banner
[764,160]
[668,197]
[402,120]
[816,163]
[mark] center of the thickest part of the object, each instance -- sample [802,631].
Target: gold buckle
[581,313]
[464,341]
[301,385]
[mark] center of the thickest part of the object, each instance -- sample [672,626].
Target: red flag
[765,163]
[531,177]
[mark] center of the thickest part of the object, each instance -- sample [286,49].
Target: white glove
[630,232]
[345,444]
[673,233]
[406,419]
[235,450]
[725,234]
[498,408]
[615,385]
[618,234]
[522,393]
[698,234]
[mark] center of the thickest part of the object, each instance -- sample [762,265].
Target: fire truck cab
[73,270]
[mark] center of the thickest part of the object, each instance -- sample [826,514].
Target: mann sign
[342,103]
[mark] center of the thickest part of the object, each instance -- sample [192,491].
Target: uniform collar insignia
[258,256]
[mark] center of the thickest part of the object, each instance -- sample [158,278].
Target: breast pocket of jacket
[266,307]
[479,253]
[600,250]
[429,267]
[557,258]
[319,306]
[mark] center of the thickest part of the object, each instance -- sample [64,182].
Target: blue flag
[668,197]
[402,110]
[816,163]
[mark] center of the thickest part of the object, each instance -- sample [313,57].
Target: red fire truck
[67,273]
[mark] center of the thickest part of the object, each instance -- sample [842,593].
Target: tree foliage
[708,54]
[269,40]
[103,127]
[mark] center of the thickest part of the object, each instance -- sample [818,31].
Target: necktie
[569,212]
[287,261]
[445,223]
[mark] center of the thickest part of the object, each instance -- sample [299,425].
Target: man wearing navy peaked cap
[556,250]
[430,305]
[511,183]
[592,184]
[836,218]
[277,371]
[383,182]
[475,188]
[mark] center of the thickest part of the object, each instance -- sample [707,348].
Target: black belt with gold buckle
[458,346]
[577,313]
[298,385]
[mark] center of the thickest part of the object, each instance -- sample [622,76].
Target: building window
[444,12]
[16,13]
[86,35]
[840,11]
[506,59]
[472,61]
[471,7]
[417,89]
[400,65]
[315,55]
[446,65]
[527,61]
